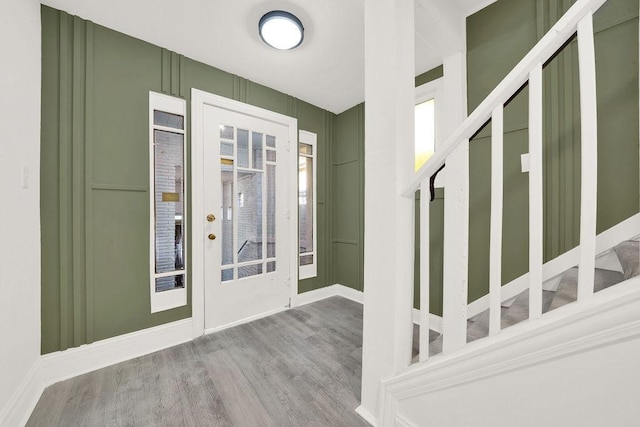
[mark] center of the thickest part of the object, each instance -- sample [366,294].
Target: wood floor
[300,367]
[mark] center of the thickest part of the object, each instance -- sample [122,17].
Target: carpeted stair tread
[515,313]
[628,253]
[479,327]
[568,289]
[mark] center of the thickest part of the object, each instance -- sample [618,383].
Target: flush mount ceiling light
[281,30]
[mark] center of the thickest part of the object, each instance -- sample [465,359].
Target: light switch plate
[524,162]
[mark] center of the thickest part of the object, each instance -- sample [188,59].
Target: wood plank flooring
[301,367]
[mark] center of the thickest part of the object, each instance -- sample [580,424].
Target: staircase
[568,314]
[516,310]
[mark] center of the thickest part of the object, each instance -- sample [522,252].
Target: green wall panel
[95,172]
[50,187]
[617,89]
[121,85]
[436,252]
[267,98]
[346,259]
[345,199]
[209,79]
[347,216]
[121,259]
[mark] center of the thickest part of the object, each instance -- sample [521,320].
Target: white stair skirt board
[402,422]
[69,363]
[328,292]
[611,316]
[24,399]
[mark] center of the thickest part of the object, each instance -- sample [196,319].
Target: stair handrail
[544,50]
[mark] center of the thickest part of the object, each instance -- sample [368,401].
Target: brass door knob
[211,218]
[212,236]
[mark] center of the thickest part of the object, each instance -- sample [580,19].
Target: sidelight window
[307,215]
[426,115]
[167,202]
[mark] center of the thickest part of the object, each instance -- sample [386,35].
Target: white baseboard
[366,415]
[328,292]
[69,363]
[245,320]
[21,404]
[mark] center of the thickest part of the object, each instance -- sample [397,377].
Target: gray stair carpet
[628,253]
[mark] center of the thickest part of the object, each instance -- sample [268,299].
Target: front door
[246,247]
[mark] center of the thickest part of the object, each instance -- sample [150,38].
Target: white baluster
[589,157]
[535,193]
[495,241]
[424,270]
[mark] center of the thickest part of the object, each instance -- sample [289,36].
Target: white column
[389,217]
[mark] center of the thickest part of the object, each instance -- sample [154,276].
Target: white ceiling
[327,70]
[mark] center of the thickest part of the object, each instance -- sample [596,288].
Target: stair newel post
[589,157]
[456,250]
[495,241]
[535,193]
[424,270]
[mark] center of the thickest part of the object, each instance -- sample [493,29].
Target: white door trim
[199,99]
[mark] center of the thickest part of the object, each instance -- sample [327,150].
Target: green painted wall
[95,172]
[436,252]
[347,213]
[497,38]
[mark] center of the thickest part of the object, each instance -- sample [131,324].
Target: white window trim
[434,90]
[310,270]
[172,298]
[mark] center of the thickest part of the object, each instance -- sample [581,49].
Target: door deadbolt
[211,218]
[212,236]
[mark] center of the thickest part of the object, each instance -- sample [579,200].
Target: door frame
[199,99]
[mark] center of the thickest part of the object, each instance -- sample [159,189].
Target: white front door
[247,242]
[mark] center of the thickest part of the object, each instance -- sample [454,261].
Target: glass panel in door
[248,192]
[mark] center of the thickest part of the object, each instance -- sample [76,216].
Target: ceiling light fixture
[281,30]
